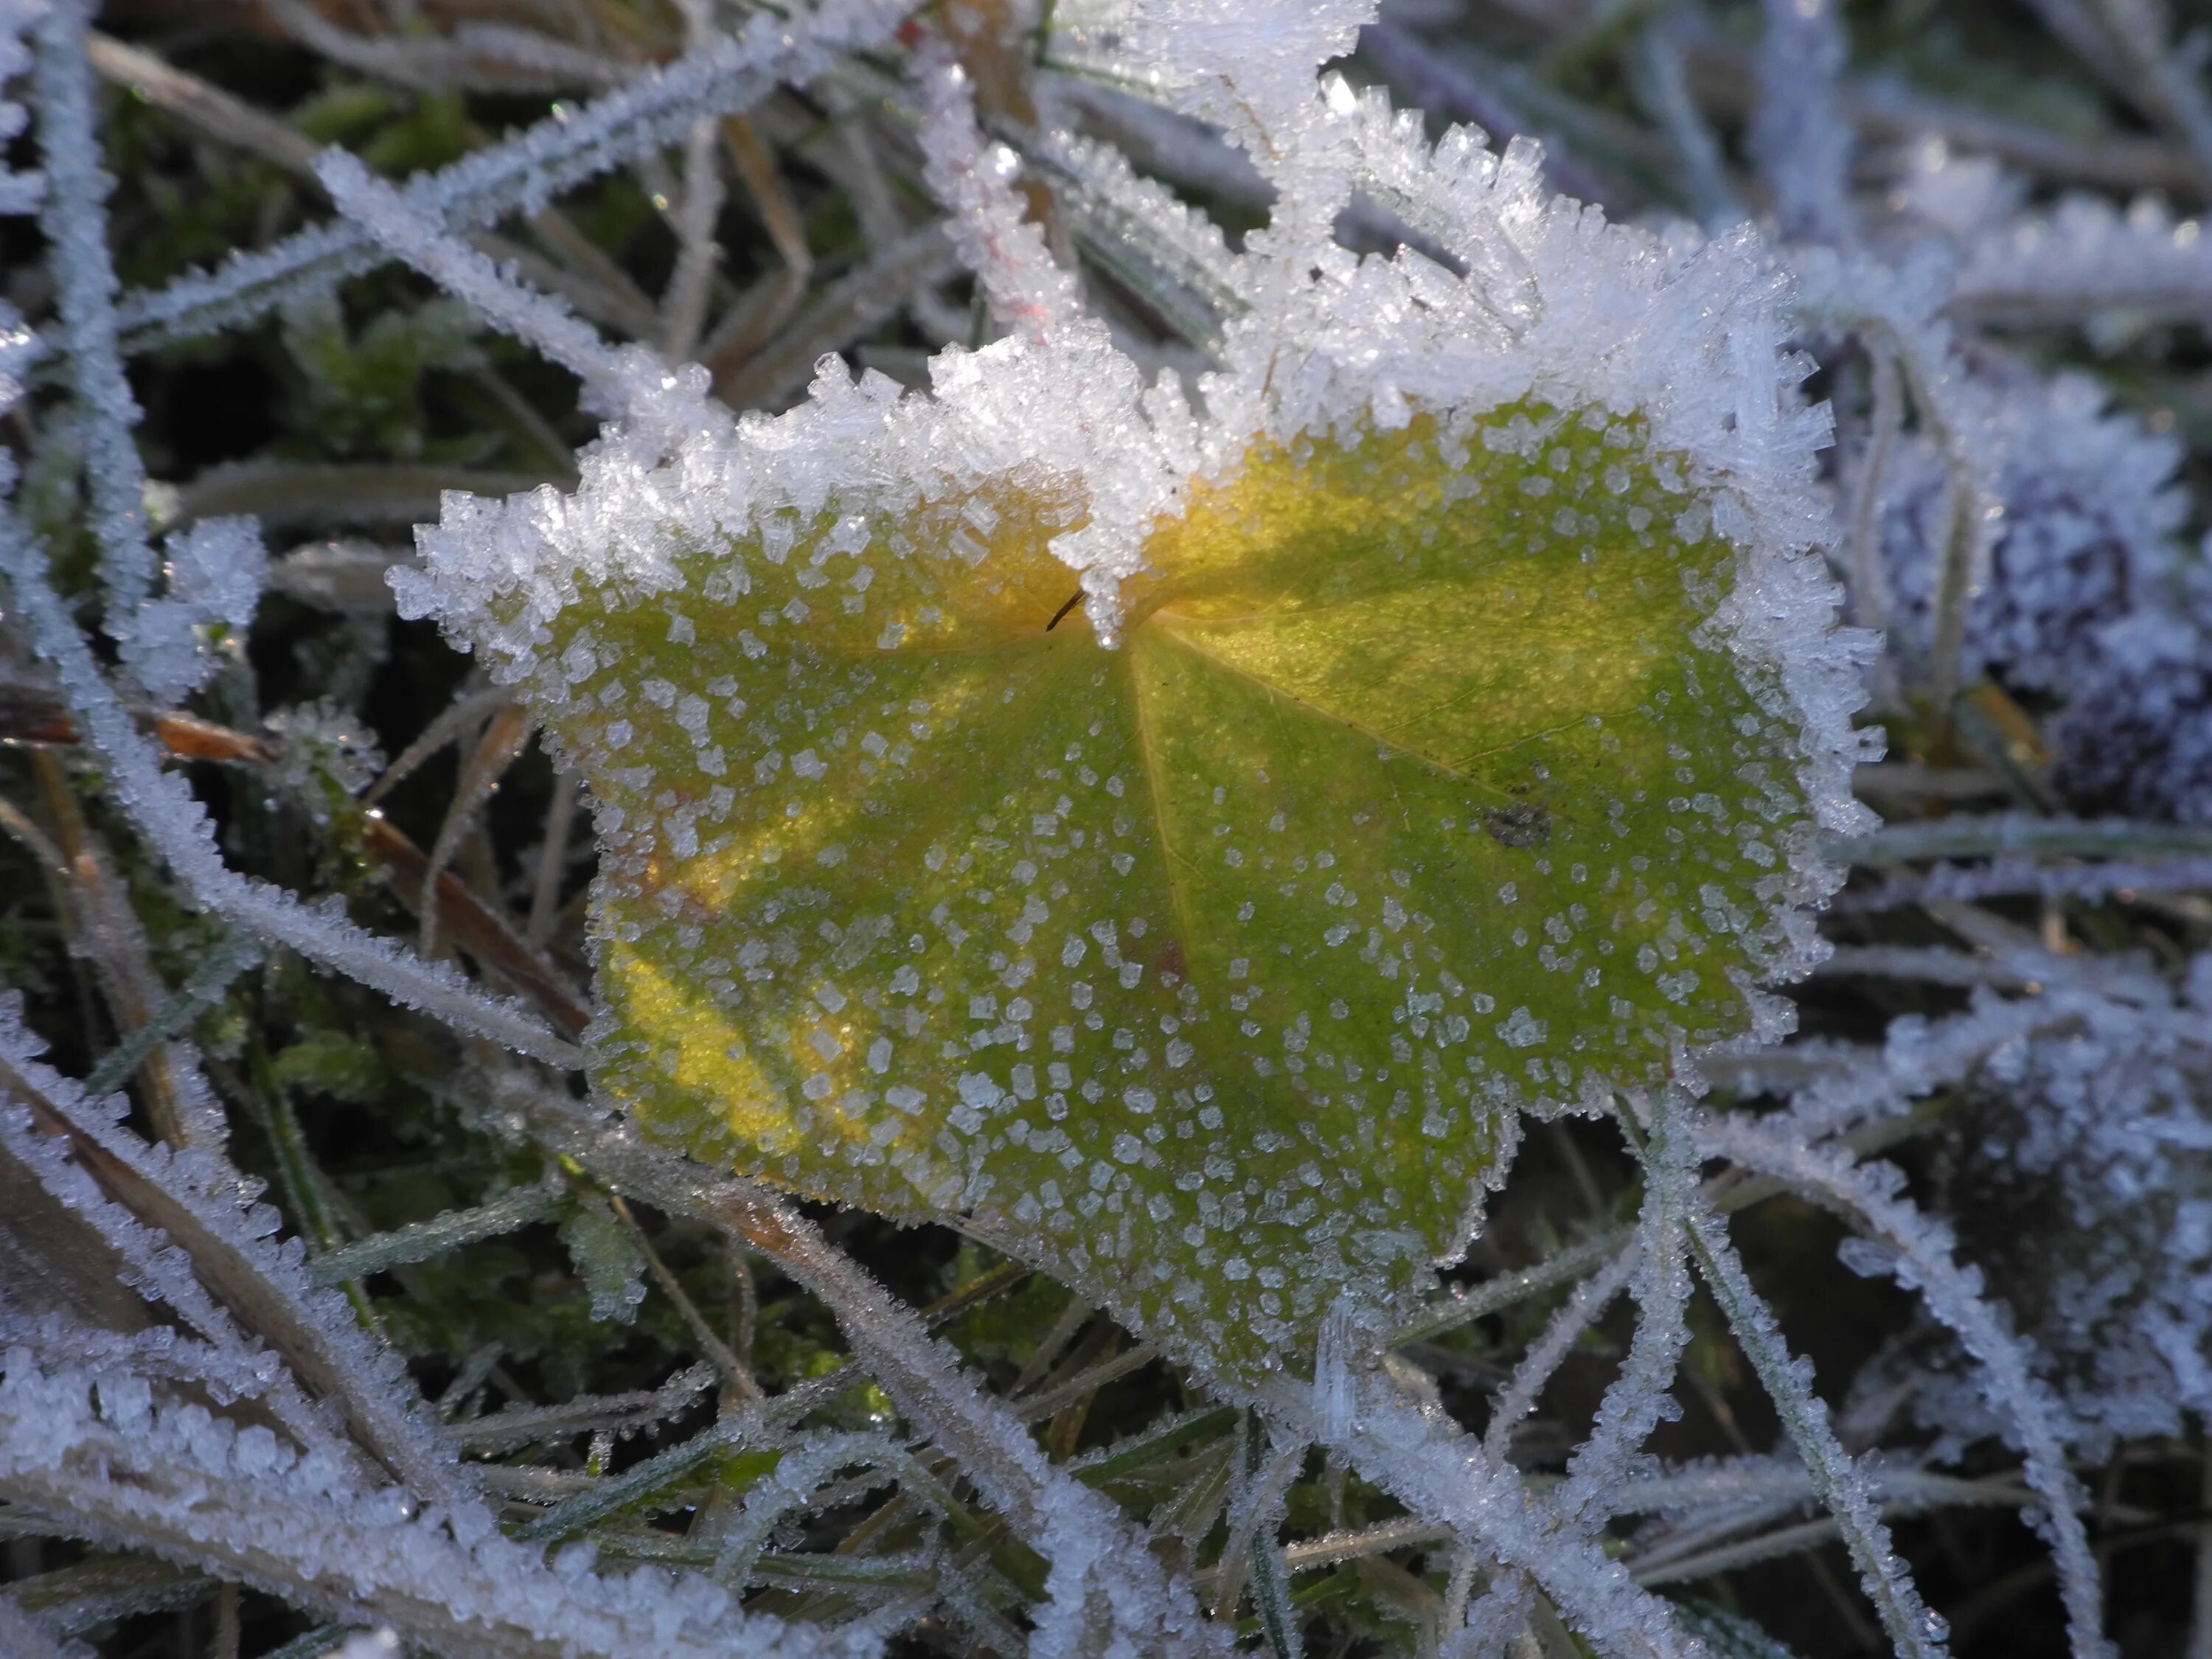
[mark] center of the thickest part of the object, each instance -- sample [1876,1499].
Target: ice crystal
[324,754]
[215,570]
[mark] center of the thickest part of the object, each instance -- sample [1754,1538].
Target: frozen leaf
[1211,968]
[1179,846]
[334,1063]
[608,1260]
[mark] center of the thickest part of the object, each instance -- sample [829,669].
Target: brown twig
[475,926]
[115,941]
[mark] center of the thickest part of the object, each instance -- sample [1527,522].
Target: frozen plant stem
[1967,510]
[1841,1486]
[730,74]
[552,859]
[2002,835]
[203,106]
[1268,1474]
[1798,131]
[1953,1295]
[1078,1530]
[176,1095]
[1954,596]
[504,738]
[421,1240]
[1639,1398]
[451,724]
[2010,876]
[2160,78]
[1659,74]
[1566,1327]
[409,235]
[26,1637]
[1480,1301]
[1435,1468]
[683,307]
[734,1375]
[233,956]
[755,318]
[75,224]
[193,1202]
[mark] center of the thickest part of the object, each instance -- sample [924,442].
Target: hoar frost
[1177,829]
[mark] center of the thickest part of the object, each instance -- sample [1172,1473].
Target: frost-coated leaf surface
[1468,717]
[1210,967]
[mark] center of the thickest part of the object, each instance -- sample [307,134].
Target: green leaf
[332,1063]
[607,1259]
[361,393]
[1209,970]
